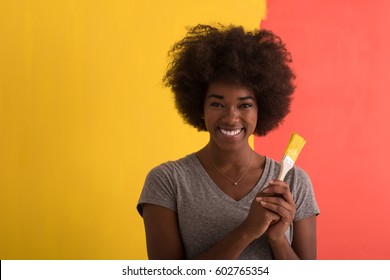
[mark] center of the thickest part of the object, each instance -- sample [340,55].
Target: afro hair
[256,60]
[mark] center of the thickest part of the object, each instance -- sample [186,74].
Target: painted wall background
[83,117]
[341,57]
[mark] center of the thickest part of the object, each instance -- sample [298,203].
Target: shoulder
[162,182]
[173,167]
[272,166]
[171,172]
[298,177]
[303,193]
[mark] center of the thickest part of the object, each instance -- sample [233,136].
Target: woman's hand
[276,197]
[259,218]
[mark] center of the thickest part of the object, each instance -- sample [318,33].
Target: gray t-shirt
[206,214]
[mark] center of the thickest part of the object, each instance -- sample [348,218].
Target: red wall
[341,53]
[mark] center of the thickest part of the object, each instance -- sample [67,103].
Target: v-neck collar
[249,197]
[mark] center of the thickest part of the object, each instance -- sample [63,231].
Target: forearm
[282,250]
[230,247]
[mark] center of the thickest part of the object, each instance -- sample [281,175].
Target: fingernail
[263,203]
[266,190]
[259,198]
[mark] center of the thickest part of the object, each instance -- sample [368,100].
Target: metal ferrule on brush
[285,165]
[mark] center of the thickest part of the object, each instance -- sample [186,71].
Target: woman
[223,201]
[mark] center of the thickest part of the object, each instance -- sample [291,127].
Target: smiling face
[230,115]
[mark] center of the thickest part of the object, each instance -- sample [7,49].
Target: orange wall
[341,57]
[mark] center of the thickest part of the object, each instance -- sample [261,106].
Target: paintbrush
[290,156]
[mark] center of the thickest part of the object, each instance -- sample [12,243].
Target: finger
[280,188]
[284,212]
[285,217]
[262,194]
[273,216]
[278,201]
[277,186]
[280,208]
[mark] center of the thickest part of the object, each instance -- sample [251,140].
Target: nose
[231,114]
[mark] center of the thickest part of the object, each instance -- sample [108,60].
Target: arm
[304,240]
[164,240]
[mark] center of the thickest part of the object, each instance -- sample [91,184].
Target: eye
[245,106]
[216,105]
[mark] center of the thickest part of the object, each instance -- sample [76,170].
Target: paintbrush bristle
[295,146]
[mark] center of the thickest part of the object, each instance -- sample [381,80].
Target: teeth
[231,132]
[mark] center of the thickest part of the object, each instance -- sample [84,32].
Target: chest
[242,188]
[207,217]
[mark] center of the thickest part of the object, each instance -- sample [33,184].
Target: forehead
[228,90]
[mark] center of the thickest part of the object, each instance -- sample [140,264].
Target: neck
[221,157]
[228,167]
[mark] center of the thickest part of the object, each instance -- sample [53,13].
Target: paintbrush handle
[285,165]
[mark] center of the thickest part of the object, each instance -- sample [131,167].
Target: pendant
[236,184]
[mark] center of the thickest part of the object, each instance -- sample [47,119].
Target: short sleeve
[303,194]
[159,189]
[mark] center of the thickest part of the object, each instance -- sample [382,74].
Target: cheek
[253,119]
[253,116]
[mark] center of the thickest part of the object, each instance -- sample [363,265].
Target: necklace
[235,183]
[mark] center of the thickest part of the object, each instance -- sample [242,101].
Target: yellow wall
[83,117]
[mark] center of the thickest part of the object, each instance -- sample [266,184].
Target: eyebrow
[221,97]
